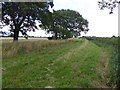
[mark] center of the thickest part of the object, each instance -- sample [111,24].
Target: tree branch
[22,20]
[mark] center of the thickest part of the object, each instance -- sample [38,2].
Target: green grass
[69,63]
[111,45]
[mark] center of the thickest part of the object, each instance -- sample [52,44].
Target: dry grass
[54,63]
[103,70]
[10,39]
[10,49]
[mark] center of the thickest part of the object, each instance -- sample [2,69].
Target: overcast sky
[101,23]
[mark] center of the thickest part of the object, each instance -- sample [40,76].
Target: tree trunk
[16,32]
[56,35]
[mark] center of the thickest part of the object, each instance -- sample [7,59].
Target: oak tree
[67,23]
[22,16]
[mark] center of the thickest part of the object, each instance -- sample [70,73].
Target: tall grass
[11,49]
[111,44]
[69,63]
[37,68]
[16,48]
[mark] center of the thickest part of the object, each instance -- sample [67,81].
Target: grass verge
[71,63]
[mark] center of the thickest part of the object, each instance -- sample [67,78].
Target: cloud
[100,22]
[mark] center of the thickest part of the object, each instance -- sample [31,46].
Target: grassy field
[112,46]
[57,64]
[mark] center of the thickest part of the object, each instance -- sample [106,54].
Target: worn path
[75,64]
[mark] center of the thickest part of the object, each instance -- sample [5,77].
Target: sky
[101,23]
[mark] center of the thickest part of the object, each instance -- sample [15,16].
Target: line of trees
[22,17]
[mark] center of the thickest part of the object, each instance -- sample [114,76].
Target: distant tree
[66,23]
[110,4]
[113,36]
[21,16]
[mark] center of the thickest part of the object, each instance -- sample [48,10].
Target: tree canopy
[21,16]
[67,23]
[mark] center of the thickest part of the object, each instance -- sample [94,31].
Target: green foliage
[21,16]
[66,23]
[112,45]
